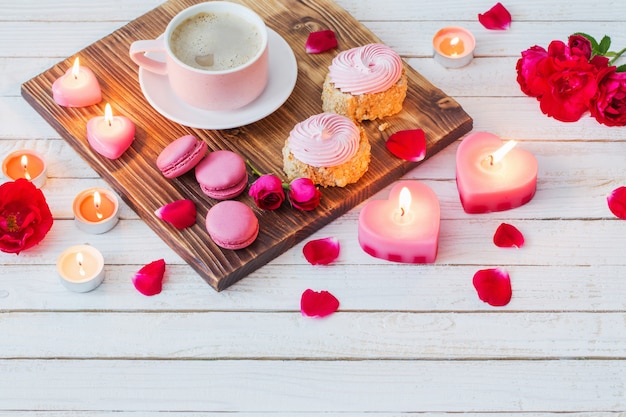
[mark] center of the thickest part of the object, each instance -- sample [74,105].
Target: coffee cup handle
[137,54]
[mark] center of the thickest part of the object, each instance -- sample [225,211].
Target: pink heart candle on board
[110,135]
[492,175]
[403,228]
[78,87]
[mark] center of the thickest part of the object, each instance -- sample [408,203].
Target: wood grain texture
[135,177]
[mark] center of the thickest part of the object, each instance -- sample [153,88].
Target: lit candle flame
[76,68]
[497,156]
[97,200]
[454,41]
[404,201]
[108,114]
[79,262]
[24,162]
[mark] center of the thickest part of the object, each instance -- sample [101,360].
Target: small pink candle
[110,135]
[25,164]
[403,228]
[492,175]
[79,87]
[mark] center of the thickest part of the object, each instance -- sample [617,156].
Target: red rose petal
[321,251]
[180,213]
[320,41]
[508,236]
[318,304]
[617,202]
[149,279]
[493,286]
[496,18]
[408,144]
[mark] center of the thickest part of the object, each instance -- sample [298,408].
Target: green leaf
[621,68]
[604,46]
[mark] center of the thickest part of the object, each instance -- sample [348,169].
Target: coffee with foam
[215,41]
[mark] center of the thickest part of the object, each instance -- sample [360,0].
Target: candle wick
[490,157]
[402,211]
[110,123]
[26,173]
[98,214]
[81,271]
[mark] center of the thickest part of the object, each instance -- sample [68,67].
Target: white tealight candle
[96,210]
[81,268]
[25,164]
[454,47]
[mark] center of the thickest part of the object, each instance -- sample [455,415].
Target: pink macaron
[232,224]
[181,156]
[222,175]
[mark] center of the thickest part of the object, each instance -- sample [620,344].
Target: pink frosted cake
[365,83]
[328,148]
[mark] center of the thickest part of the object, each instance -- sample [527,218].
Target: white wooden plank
[52,39]
[316,386]
[81,413]
[535,10]
[67,10]
[345,335]
[273,288]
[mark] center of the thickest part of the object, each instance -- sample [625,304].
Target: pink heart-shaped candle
[110,135]
[78,87]
[402,229]
[488,183]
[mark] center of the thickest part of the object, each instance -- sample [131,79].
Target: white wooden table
[408,339]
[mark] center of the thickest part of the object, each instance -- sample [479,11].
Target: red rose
[570,90]
[25,217]
[303,194]
[609,104]
[267,192]
[529,71]
[579,46]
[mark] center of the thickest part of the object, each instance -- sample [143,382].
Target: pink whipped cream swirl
[367,69]
[325,140]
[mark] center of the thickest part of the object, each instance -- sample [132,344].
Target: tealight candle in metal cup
[454,47]
[96,210]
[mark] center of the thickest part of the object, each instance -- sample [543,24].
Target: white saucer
[282,80]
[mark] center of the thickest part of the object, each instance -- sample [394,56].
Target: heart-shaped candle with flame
[78,87]
[403,228]
[492,175]
[110,135]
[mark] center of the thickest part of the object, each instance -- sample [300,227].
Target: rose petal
[508,236]
[496,18]
[617,202]
[180,213]
[318,304]
[149,279]
[320,41]
[408,144]
[321,251]
[493,286]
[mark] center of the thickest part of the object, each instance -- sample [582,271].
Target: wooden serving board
[135,177]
